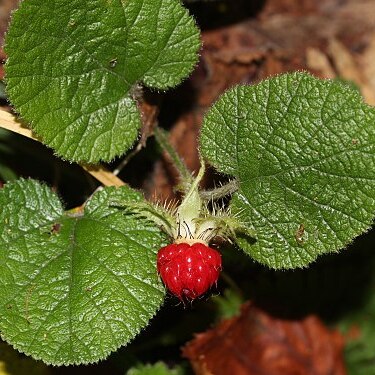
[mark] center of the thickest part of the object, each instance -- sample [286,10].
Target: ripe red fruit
[188,271]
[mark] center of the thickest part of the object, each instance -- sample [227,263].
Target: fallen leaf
[256,343]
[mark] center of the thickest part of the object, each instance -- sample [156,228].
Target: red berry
[188,271]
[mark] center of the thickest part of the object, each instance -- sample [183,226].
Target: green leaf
[359,330]
[228,304]
[74,68]
[303,151]
[159,368]
[74,287]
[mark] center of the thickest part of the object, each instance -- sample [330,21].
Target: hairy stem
[126,160]
[220,192]
[161,137]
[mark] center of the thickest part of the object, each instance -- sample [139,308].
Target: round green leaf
[303,151]
[74,287]
[74,66]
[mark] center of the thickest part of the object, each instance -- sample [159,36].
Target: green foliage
[303,152]
[358,324]
[74,286]
[360,331]
[228,304]
[74,68]
[159,368]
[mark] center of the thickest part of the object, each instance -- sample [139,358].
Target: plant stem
[220,192]
[161,137]
[126,160]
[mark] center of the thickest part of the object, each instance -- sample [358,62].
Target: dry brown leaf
[318,61]
[255,343]
[367,61]
[349,69]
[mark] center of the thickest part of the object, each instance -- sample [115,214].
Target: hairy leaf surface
[303,151]
[74,286]
[74,67]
